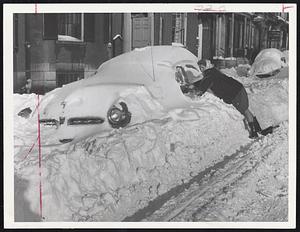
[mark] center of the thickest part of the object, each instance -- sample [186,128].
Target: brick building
[55,49]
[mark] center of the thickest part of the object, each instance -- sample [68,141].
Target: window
[139,15]
[178,28]
[64,77]
[74,27]
[70,27]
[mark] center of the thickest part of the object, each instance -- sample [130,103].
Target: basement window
[64,77]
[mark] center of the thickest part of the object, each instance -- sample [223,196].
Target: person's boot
[256,125]
[252,132]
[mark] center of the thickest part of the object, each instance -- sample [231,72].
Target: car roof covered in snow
[143,65]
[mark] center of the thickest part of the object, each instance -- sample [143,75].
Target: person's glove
[184,88]
[200,93]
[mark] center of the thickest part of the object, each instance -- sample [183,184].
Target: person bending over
[229,90]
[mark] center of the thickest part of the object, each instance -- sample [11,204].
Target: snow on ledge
[68,38]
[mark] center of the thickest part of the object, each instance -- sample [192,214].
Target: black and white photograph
[154,113]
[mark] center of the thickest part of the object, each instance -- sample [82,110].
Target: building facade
[56,49]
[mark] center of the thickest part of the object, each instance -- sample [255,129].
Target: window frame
[81,31]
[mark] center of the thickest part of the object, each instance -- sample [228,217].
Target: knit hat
[202,62]
[206,63]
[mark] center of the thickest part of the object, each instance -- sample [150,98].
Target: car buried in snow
[92,105]
[269,62]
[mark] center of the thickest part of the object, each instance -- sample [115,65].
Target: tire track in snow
[210,184]
[258,195]
[199,179]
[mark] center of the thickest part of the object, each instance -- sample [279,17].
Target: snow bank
[252,187]
[286,56]
[107,177]
[269,101]
[268,97]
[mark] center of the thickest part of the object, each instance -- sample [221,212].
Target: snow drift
[109,176]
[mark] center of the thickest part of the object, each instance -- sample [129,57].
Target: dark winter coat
[221,85]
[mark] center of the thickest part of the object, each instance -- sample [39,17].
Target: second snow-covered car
[268,62]
[94,104]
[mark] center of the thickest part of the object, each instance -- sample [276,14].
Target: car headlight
[115,115]
[119,116]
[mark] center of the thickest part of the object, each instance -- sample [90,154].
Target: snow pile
[267,61]
[266,185]
[24,129]
[286,56]
[268,97]
[258,171]
[269,101]
[242,69]
[107,177]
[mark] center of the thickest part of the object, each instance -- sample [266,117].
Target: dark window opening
[74,27]
[50,26]
[70,26]
[139,15]
[178,28]
[89,27]
[64,77]
[16,35]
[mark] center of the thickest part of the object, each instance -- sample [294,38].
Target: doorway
[207,36]
[141,30]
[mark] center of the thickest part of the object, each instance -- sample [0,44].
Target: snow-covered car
[95,104]
[268,62]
